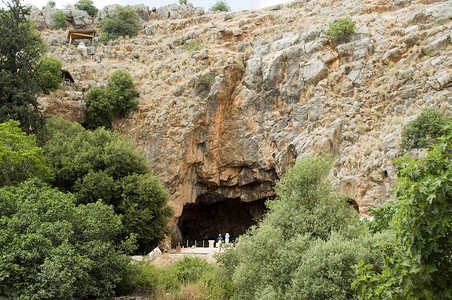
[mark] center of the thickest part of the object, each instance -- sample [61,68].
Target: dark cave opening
[205,221]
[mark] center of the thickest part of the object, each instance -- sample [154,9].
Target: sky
[234,4]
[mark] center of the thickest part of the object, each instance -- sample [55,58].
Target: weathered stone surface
[280,92]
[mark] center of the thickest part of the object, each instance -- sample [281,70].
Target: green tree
[59,20]
[20,158]
[418,263]
[298,227]
[423,131]
[52,249]
[49,74]
[121,93]
[341,30]
[20,49]
[101,164]
[124,23]
[51,4]
[183,2]
[220,6]
[98,109]
[86,5]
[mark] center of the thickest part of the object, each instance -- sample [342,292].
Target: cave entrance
[204,221]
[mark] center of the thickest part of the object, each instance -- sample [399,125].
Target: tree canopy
[49,74]
[20,49]
[53,249]
[20,158]
[123,23]
[101,164]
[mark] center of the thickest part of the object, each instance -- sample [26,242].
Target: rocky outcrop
[280,91]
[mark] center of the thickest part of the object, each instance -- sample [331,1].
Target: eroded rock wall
[281,91]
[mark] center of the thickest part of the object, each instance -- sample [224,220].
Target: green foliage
[298,227]
[423,131]
[220,6]
[121,93]
[51,4]
[192,45]
[101,164]
[52,249]
[203,84]
[49,74]
[418,262]
[383,216]
[20,158]
[20,49]
[98,109]
[86,5]
[341,30]
[124,23]
[183,2]
[59,20]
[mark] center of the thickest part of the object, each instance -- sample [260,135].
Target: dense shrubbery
[220,6]
[49,74]
[123,23]
[98,109]
[203,84]
[59,20]
[306,244]
[418,260]
[423,131]
[20,158]
[52,249]
[121,93]
[86,5]
[101,164]
[117,100]
[341,30]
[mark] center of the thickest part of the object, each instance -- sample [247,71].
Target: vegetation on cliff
[123,23]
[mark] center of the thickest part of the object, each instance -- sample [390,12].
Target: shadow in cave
[204,221]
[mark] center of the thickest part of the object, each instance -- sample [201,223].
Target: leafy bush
[121,93]
[203,84]
[299,222]
[53,249]
[220,6]
[51,4]
[418,260]
[49,74]
[423,131]
[59,20]
[98,109]
[101,164]
[124,23]
[86,5]
[341,30]
[20,158]
[183,2]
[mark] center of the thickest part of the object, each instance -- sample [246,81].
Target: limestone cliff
[281,91]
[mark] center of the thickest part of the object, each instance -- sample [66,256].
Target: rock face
[280,91]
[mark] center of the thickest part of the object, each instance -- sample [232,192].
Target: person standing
[226,238]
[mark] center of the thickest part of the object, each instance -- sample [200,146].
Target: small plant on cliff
[124,23]
[203,84]
[220,6]
[121,93]
[59,20]
[49,74]
[192,45]
[86,5]
[423,131]
[341,30]
[51,4]
[183,2]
